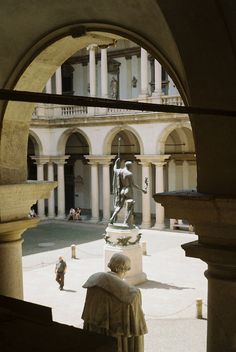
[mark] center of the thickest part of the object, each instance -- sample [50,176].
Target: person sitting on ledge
[71,215]
[113,307]
[77,214]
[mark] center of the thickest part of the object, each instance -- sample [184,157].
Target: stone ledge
[16,199]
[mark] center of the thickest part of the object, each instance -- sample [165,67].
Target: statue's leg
[129,212]
[117,210]
[114,215]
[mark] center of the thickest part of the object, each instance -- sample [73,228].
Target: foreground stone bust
[113,307]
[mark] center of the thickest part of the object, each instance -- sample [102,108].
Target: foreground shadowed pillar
[15,203]
[216,246]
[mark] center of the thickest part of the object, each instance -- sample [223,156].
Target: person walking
[60,270]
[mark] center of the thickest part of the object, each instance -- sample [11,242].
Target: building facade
[76,146]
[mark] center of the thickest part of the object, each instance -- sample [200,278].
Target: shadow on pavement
[49,236]
[155,284]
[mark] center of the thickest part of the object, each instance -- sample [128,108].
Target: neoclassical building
[76,146]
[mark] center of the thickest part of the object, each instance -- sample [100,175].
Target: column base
[145,225]
[158,227]
[94,220]
[61,217]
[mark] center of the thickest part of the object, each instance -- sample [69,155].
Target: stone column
[128,75]
[11,282]
[146,198]
[94,188]
[40,161]
[172,183]
[104,72]
[51,200]
[61,186]
[19,197]
[216,245]
[158,82]
[40,177]
[92,75]
[144,73]
[58,81]
[160,212]
[92,70]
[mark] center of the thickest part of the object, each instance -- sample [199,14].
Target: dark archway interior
[77,147]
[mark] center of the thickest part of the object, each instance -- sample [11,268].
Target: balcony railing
[43,111]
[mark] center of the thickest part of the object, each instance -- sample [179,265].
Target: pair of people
[32,213]
[74,214]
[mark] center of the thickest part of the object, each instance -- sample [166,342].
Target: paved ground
[174,281]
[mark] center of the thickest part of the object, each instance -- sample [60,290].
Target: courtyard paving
[169,295]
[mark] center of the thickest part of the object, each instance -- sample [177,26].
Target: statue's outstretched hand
[144,191]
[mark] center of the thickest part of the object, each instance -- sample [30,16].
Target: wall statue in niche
[113,73]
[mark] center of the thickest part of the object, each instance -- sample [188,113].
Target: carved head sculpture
[119,263]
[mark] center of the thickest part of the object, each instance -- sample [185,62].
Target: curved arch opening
[41,68]
[76,172]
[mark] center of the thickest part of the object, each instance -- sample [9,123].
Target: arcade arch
[177,142]
[77,187]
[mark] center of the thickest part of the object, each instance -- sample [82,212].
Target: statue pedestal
[121,239]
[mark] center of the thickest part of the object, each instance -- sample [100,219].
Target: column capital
[12,231]
[44,159]
[218,225]
[92,47]
[99,159]
[152,159]
[60,159]
[40,159]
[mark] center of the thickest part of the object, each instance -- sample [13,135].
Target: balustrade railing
[43,111]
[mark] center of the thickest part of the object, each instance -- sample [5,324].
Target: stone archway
[177,141]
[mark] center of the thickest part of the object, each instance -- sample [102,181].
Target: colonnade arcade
[95,75]
[85,178]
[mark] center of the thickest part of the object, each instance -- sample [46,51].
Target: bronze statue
[123,184]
